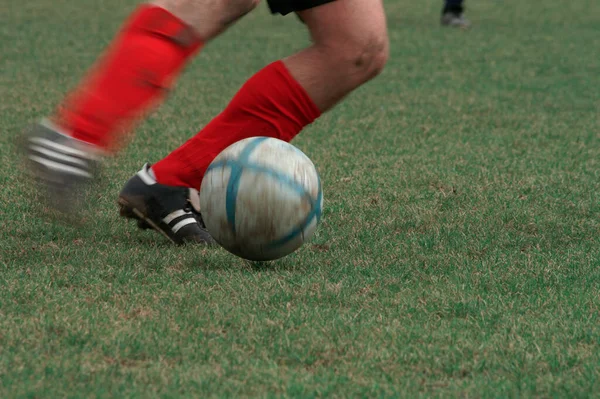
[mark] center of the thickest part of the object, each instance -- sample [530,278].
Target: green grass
[459,253]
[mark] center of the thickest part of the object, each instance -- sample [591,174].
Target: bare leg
[350,47]
[208,17]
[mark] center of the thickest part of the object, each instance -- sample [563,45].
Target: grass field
[459,253]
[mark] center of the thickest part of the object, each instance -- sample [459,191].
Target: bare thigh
[208,17]
[350,47]
[345,25]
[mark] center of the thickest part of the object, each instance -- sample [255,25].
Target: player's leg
[141,64]
[350,47]
[133,75]
[453,14]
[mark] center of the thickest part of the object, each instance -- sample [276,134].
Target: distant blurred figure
[453,14]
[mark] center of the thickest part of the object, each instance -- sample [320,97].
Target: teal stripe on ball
[237,168]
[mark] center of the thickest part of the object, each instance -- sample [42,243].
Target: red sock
[134,73]
[271,103]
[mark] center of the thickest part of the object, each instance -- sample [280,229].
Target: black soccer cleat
[172,211]
[62,165]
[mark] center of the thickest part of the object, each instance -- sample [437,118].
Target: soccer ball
[261,198]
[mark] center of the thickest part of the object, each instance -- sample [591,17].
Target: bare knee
[371,55]
[359,58]
[208,17]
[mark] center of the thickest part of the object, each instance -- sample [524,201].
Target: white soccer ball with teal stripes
[261,198]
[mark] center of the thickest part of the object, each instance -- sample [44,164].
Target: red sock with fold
[271,103]
[134,73]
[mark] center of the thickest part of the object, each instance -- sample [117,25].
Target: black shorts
[287,6]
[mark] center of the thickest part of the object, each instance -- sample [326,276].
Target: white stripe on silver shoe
[174,215]
[57,155]
[184,222]
[62,148]
[59,166]
[91,152]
